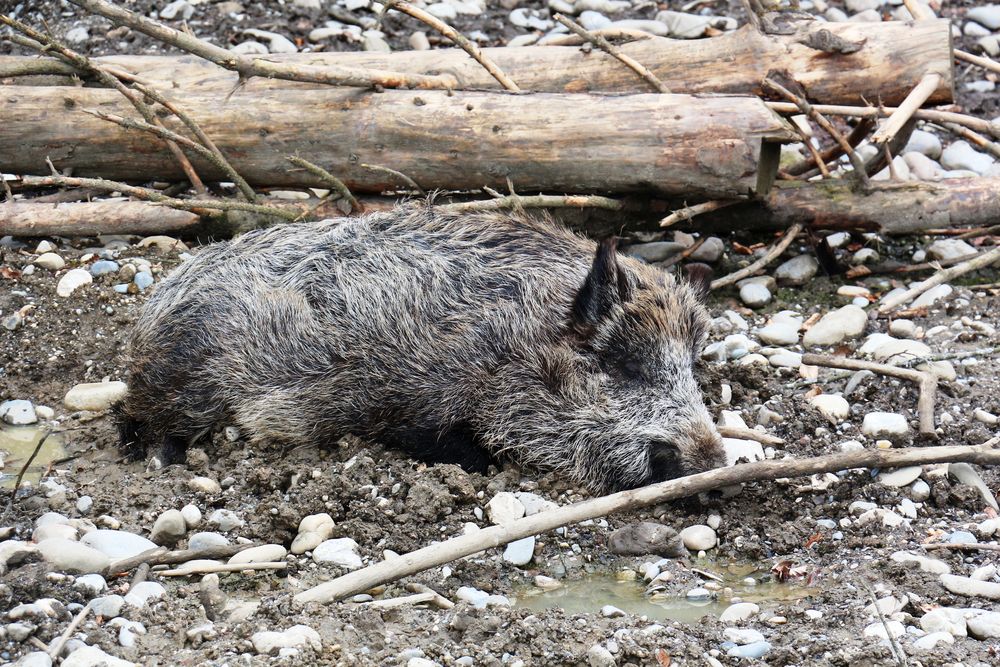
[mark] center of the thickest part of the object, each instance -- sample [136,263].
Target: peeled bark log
[111,216]
[892,58]
[670,144]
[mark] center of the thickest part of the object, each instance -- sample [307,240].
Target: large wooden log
[671,144]
[109,216]
[892,58]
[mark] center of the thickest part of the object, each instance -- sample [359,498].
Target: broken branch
[943,276]
[753,269]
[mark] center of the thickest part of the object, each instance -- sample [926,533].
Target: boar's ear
[699,277]
[605,286]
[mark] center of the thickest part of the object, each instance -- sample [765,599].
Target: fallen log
[891,60]
[494,536]
[110,216]
[667,144]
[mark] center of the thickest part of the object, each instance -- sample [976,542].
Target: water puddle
[16,445]
[587,594]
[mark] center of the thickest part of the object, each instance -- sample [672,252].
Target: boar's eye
[632,368]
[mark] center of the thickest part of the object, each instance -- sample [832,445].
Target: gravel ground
[811,554]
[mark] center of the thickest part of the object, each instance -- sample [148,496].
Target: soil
[387,501]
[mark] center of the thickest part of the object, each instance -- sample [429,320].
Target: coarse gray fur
[455,337]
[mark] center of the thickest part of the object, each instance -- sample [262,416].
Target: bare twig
[57,646]
[248,67]
[147,194]
[110,79]
[205,140]
[683,254]
[925,381]
[897,650]
[24,469]
[328,178]
[983,260]
[981,61]
[611,50]
[904,112]
[688,212]
[618,34]
[397,174]
[772,254]
[494,536]
[163,556]
[460,40]
[974,137]
[807,168]
[918,11]
[208,568]
[535,201]
[932,115]
[814,152]
[970,546]
[820,119]
[404,601]
[749,434]
[439,601]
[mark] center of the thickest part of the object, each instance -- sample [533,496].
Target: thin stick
[205,140]
[439,601]
[918,11]
[208,568]
[611,50]
[535,201]
[57,646]
[897,650]
[974,137]
[147,194]
[962,547]
[494,536]
[328,178]
[749,434]
[157,129]
[163,556]
[248,67]
[813,151]
[904,112]
[688,212]
[985,259]
[807,168]
[683,254]
[981,61]
[24,468]
[392,172]
[404,601]
[819,119]
[932,115]
[46,44]
[925,381]
[755,268]
[621,34]
[460,40]
[141,574]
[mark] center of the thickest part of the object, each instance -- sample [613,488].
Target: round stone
[699,538]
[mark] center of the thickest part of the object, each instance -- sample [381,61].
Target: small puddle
[589,593]
[16,445]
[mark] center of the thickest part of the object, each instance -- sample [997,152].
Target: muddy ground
[386,501]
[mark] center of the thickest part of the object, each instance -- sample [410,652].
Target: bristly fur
[455,337]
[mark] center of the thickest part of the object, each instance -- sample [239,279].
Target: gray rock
[742,636]
[900,476]
[657,251]
[93,656]
[592,20]
[785,359]
[94,396]
[177,8]
[797,271]
[169,528]
[50,261]
[755,295]
[91,584]
[779,333]
[884,425]
[987,15]
[921,166]
[117,543]
[520,552]
[699,538]
[710,251]
[69,556]
[739,611]
[202,541]
[225,520]
[738,449]
[971,587]
[948,249]
[249,47]
[297,637]
[503,508]
[34,659]
[754,650]
[837,326]
[598,656]
[191,515]
[265,553]
[925,563]
[18,412]
[341,552]
[961,156]
[275,43]
[610,611]
[77,35]
[985,625]
[73,280]
[924,143]
[932,639]
[533,503]
[640,539]
[140,594]
[833,407]
[204,485]
[108,606]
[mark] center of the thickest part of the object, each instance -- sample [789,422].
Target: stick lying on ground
[943,276]
[927,382]
[494,536]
